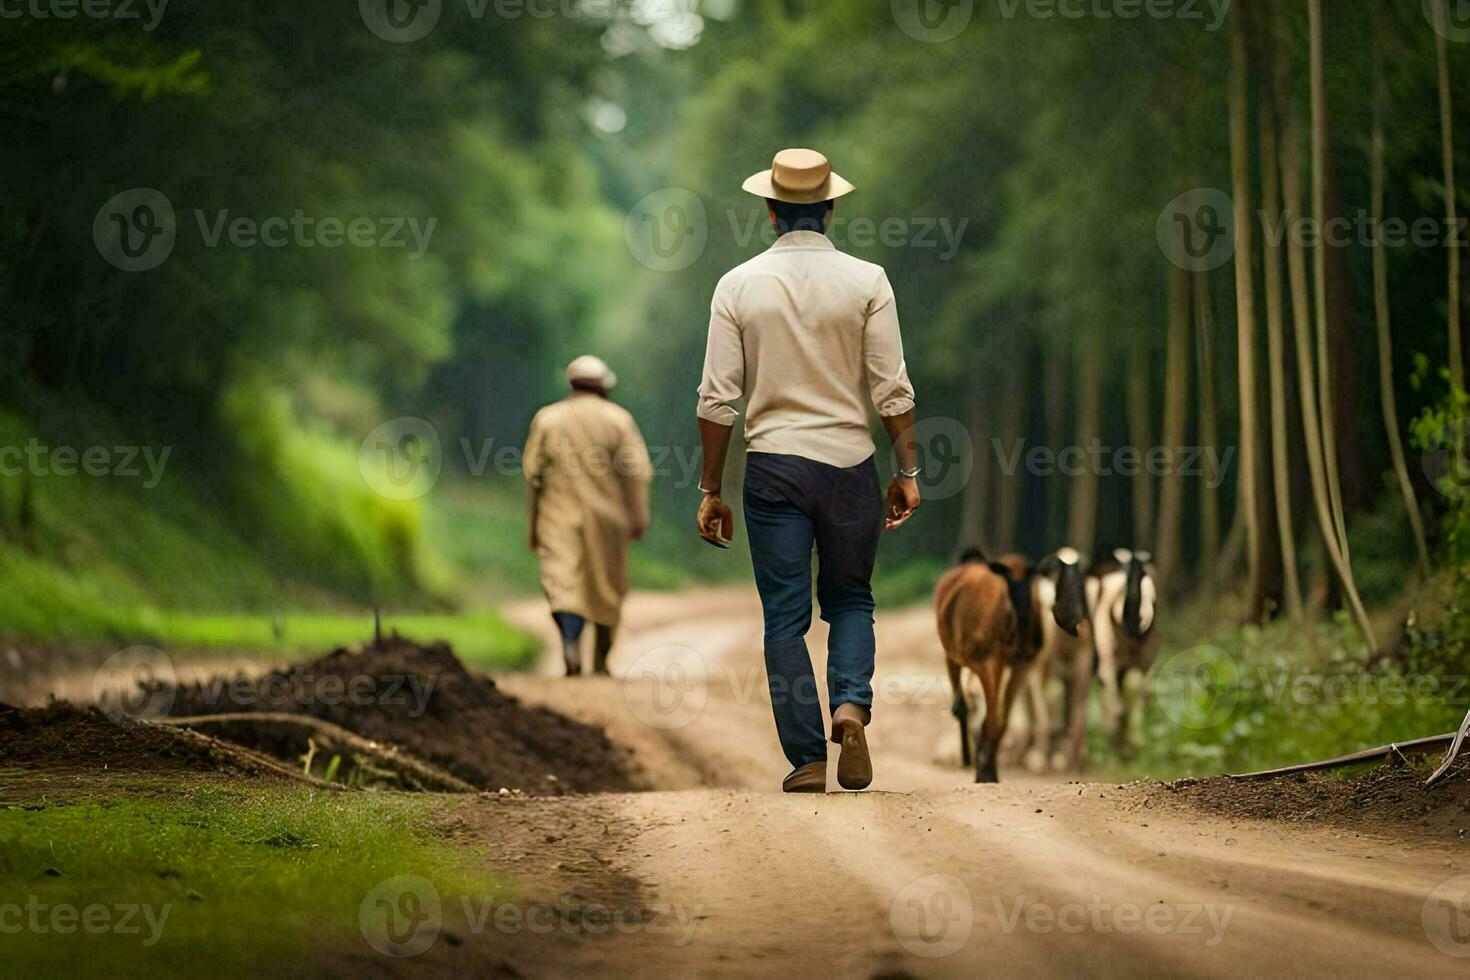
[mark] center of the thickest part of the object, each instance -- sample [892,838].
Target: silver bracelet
[912,474]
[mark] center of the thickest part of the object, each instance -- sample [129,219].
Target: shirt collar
[804,239]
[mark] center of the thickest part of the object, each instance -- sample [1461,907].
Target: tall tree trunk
[1380,299]
[1168,539]
[1209,413]
[1333,530]
[1276,367]
[1082,519]
[1321,150]
[1140,433]
[1058,386]
[1245,309]
[1008,485]
[1452,223]
[975,509]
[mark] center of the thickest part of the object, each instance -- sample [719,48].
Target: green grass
[481,639]
[110,561]
[42,602]
[907,583]
[479,526]
[237,884]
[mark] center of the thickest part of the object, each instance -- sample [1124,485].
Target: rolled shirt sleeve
[888,376]
[723,381]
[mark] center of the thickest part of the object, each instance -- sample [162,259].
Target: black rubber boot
[602,647]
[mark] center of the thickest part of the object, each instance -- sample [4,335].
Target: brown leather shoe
[810,778]
[854,767]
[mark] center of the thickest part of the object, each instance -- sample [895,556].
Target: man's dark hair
[593,386]
[800,217]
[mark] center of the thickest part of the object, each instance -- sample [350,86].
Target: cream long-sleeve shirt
[809,337]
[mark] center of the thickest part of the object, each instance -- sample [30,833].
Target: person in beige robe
[587,473]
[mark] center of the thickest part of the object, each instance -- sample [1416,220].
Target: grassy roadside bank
[168,877]
[1224,697]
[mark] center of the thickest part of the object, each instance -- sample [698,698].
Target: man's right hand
[715,521]
[902,501]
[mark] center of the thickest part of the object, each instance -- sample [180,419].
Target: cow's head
[1139,592]
[1060,574]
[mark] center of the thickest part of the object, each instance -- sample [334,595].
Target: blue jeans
[792,504]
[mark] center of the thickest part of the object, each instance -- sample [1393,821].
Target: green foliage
[1238,699]
[245,882]
[1442,433]
[906,583]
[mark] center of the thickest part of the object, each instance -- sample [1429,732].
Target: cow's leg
[960,707]
[1036,756]
[1106,642]
[1081,684]
[987,744]
[1016,679]
[1133,683]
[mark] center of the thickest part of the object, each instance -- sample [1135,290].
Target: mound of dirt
[64,737]
[1388,793]
[423,699]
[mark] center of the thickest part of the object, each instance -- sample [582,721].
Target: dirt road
[927,874]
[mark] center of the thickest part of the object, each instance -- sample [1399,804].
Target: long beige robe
[587,471]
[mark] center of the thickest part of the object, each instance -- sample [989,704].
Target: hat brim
[761,185]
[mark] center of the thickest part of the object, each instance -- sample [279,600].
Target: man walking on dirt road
[809,336]
[587,473]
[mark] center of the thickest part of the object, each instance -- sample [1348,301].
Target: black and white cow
[1048,738]
[1124,599]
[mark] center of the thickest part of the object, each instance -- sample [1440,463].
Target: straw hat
[588,369]
[798,177]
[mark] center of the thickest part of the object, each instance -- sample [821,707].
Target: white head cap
[588,369]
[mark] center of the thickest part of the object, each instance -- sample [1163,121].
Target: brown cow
[989,617]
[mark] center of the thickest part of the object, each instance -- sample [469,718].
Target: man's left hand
[715,522]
